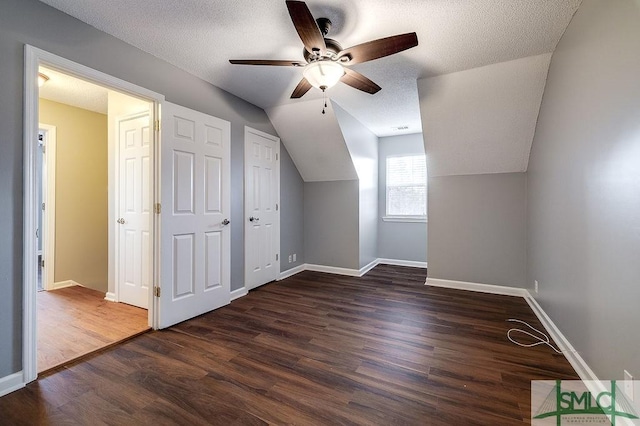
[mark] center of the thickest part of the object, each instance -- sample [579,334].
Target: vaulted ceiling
[200,36]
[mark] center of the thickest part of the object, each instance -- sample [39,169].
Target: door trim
[276,241]
[33,58]
[49,215]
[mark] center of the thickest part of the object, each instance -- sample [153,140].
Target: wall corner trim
[64,284]
[11,383]
[291,272]
[236,294]
[110,296]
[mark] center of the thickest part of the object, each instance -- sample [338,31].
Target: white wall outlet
[289,258]
[628,385]
[535,286]
[294,257]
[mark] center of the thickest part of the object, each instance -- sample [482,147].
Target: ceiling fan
[326,61]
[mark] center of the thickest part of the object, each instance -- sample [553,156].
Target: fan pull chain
[324,97]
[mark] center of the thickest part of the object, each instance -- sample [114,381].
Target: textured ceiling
[200,36]
[72,91]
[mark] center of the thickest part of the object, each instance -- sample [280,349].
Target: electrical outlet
[289,258]
[535,286]
[294,257]
[628,385]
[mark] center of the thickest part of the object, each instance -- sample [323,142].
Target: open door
[195,237]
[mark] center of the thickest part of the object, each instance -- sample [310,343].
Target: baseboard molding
[291,272]
[574,358]
[398,262]
[236,294]
[11,383]
[64,284]
[109,296]
[483,288]
[332,270]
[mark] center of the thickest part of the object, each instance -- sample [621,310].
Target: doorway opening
[90,149]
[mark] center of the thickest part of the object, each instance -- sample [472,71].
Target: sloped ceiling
[200,36]
[482,120]
[316,146]
[476,121]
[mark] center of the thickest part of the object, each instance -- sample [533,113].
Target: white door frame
[276,240]
[49,200]
[33,58]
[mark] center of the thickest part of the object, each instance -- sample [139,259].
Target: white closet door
[195,236]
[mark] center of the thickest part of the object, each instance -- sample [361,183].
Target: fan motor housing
[333,48]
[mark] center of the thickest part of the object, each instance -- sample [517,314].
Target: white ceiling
[69,90]
[200,36]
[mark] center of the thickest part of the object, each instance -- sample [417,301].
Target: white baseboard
[11,383]
[236,294]
[574,358]
[111,297]
[368,267]
[398,262]
[64,284]
[483,288]
[332,270]
[291,272]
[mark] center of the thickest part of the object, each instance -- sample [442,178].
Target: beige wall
[81,252]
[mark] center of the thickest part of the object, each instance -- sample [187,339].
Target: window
[406,188]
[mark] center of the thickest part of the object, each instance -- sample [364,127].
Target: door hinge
[277,256]
[42,263]
[42,206]
[157,208]
[276,157]
[276,206]
[156,291]
[156,125]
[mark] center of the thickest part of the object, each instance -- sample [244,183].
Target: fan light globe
[323,74]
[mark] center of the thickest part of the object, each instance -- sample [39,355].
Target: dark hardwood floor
[312,349]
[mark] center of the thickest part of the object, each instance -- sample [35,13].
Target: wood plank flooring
[74,321]
[312,349]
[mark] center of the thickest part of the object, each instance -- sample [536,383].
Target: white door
[134,206]
[262,215]
[195,191]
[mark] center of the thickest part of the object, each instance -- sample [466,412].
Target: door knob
[226,222]
[253,219]
[120,221]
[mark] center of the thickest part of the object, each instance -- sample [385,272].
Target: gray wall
[399,240]
[32,22]
[584,188]
[477,228]
[331,223]
[292,212]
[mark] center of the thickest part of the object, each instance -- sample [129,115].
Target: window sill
[406,219]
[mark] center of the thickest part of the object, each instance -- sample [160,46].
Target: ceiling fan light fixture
[323,74]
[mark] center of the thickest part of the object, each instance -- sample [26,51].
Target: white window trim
[407,219]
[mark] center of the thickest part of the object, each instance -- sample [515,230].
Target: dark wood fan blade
[302,88]
[359,81]
[276,63]
[306,26]
[378,48]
